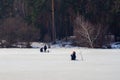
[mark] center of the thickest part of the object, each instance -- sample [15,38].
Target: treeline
[31,20]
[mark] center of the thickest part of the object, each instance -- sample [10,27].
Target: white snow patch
[37,45]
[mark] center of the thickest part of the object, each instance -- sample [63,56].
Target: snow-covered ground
[30,64]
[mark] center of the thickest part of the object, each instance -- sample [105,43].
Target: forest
[90,23]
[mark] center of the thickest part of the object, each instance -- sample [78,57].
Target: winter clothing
[45,48]
[73,56]
[41,49]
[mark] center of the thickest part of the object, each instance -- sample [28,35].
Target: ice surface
[30,64]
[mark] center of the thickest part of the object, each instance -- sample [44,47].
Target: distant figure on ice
[41,49]
[73,56]
[45,48]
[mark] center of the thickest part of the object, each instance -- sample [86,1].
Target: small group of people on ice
[43,49]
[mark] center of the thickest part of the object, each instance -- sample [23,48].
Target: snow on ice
[30,64]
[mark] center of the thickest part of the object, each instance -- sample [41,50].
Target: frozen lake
[30,64]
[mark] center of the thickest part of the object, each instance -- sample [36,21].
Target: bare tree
[86,33]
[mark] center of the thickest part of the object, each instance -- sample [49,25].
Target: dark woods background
[31,20]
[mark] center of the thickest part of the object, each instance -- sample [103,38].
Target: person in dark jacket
[41,49]
[45,48]
[73,56]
